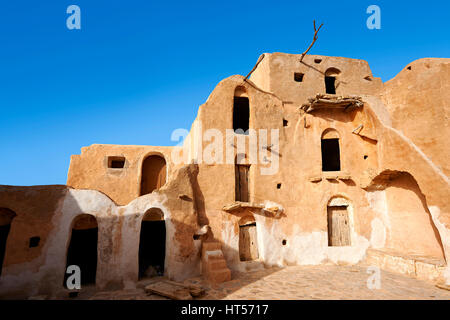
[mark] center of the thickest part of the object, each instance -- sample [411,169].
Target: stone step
[218,276]
[213,265]
[423,268]
[213,255]
[211,246]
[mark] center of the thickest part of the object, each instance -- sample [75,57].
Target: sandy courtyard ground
[298,283]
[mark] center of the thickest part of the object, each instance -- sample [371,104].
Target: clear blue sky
[137,70]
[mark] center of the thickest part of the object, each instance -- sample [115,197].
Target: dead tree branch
[314,39]
[259,60]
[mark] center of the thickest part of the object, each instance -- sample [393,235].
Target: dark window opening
[409,68]
[116,162]
[34,242]
[152,244]
[298,76]
[331,155]
[241,183]
[278,185]
[82,250]
[365,157]
[285,123]
[317,61]
[241,114]
[330,85]
[284,242]
[153,174]
[196,236]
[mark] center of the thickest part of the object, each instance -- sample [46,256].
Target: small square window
[34,242]
[298,76]
[116,162]
[278,185]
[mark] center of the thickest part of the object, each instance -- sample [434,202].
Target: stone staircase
[214,266]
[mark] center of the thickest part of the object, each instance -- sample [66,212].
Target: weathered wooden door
[241,183]
[248,244]
[338,226]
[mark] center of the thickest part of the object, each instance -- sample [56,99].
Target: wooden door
[241,183]
[248,244]
[338,226]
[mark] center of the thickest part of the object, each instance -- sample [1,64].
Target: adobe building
[332,166]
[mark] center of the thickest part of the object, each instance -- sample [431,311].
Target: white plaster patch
[445,239]
[378,234]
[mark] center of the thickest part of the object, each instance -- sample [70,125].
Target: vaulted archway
[6,217]
[153,174]
[152,244]
[82,250]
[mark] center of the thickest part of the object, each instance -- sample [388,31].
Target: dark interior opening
[285,123]
[82,252]
[330,155]
[34,242]
[298,77]
[153,174]
[241,113]
[330,85]
[152,248]
[6,217]
[4,231]
[116,162]
[278,185]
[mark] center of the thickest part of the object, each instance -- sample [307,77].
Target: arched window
[330,80]
[6,217]
[331,158]
[241,110]
[152,244]
[82,250]
[153,174]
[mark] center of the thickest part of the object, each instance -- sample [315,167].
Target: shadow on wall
[412,229]
[114,246]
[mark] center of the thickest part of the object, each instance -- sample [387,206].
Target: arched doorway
[248,243]
[153,174]
[82,250]
[331,153]
[6,217]
[152,244]
[339,233]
